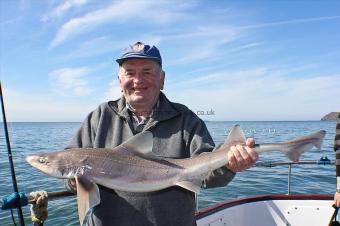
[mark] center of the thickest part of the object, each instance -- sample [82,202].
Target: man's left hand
[242,157]
[337,199]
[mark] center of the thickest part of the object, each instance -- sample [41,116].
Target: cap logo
[138,46]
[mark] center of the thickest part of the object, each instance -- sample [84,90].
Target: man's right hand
[242,157]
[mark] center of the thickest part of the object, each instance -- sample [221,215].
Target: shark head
[50,164]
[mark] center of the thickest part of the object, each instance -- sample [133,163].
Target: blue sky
[244,60]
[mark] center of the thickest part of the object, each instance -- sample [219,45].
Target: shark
[133,167]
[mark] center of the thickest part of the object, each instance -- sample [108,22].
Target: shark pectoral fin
[194,186]
[141,143]
[87,198]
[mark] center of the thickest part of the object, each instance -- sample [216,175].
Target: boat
[269,210]
[272,210]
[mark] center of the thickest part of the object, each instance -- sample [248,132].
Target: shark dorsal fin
[236,136]
[141,143]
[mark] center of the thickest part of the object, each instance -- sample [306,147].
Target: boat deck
[269,210]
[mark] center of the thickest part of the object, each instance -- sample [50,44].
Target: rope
[39,201]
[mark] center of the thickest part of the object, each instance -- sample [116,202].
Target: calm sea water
[29,138]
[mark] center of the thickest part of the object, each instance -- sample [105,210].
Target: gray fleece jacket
[178,133]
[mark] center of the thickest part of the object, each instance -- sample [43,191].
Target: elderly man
[177,132]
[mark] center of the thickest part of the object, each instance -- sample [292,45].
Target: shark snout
[31,158]
[35,160]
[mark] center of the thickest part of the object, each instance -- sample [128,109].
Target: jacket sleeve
[201,141]
[86,134]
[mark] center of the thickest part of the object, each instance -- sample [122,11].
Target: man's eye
[148,73]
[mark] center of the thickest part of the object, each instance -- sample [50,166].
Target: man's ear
[162,79]
[120,84]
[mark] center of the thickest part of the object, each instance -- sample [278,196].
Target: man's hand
[72,184]
[87,185]
[337,199]
[242,157]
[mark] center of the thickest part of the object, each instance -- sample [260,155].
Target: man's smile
[139,89]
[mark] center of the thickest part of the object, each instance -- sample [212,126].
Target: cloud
[233,77]
[24,107]
[198,53]
[203,42]
[96,46]
[207,42]
[260,94]
[71,81]
[62,8]
[104,44]
[295,21]
[113,92]
[245,47]
[119,11]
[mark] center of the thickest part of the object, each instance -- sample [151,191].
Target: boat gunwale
[234,202]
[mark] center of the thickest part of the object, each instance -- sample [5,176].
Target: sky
[225,60]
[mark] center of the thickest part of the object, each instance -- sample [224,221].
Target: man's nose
[139,78]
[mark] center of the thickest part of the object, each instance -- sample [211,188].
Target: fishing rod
[10,159]
[321,161]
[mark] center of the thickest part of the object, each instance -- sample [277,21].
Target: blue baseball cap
[140,50]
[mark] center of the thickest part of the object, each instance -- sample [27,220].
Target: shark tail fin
[319,138]
[295,149]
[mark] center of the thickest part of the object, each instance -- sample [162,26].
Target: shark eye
[42,159]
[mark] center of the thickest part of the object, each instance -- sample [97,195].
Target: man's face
[141,81]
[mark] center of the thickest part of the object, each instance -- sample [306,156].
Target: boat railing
[321,161]
[270,164]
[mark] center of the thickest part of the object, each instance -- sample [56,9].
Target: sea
[33,137]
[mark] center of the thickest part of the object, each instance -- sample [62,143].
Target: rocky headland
[330,116]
